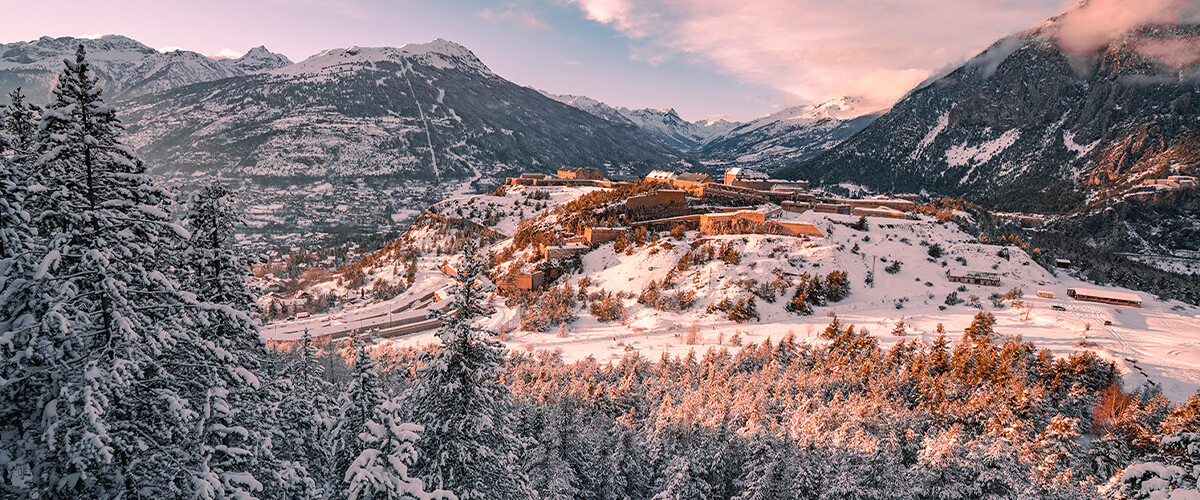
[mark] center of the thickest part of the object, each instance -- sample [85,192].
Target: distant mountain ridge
[125,67]
[429,111]
[787,136]
[1028,125]
[790,135]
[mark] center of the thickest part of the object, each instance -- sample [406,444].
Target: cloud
[93,36]
[226,53]
[1090,25]
[170,48]
[512,16]
[816,49]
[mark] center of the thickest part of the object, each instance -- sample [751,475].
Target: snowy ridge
[439,53]
[124,66]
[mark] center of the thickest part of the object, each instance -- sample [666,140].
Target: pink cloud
[1090,25]
[519,17]
[1175,54]
[816,49]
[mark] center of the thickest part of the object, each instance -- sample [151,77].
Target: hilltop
[675,287]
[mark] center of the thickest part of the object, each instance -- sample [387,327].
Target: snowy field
[1159,342]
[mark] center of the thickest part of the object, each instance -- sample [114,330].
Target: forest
[131,367]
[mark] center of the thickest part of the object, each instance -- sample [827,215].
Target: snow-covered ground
[1160,339]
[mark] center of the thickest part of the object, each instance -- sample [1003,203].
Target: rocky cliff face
[1029,125]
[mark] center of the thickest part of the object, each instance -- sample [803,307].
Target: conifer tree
[109,416]
[237,414]
[981,330]
[800,303]
[380,472]
[469,447]
[683,480]
[21,343]
[362,396]
[305,441]
[20,126]
[764,476]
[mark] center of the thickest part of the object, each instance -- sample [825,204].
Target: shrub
[606,307]
[555,307]
[952,299]
[860,224]
[677,231]
[743,311]
[893,268]
[935,250]
[837,286]
[799,303]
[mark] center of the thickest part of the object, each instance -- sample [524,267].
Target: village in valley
[584,265]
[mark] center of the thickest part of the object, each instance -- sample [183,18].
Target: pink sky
[707,58]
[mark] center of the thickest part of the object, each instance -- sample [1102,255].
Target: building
[524,281]
[661,176]
[662,197]
[832,208]
[581,173]
[894,204]
[796,207]
[1062,264]
[690,180]
[1105,296]
[744,177]
[973,277]
[708,221]
[797,228]
[594,236]
[1183,180]
[551,252]
[878,212]
[793,186]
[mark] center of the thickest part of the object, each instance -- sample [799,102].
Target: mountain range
[124,67]
[1029,125]
[1026,125]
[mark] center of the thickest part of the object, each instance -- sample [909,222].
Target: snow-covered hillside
[1157,342]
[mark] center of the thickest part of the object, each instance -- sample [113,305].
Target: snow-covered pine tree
[682,481]
[20,340]
[764,476]
[469,447]
[304,435]
[105,415]
[388,449]
[20,126]
[237,414]
[362,396]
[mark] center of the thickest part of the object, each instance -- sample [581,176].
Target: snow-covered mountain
[590,105]
[664,124]
[1029,125]
[124,66]
[669,127]
[429,111]
[790,135]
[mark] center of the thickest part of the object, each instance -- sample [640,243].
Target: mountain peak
[260,59]
[439,53]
